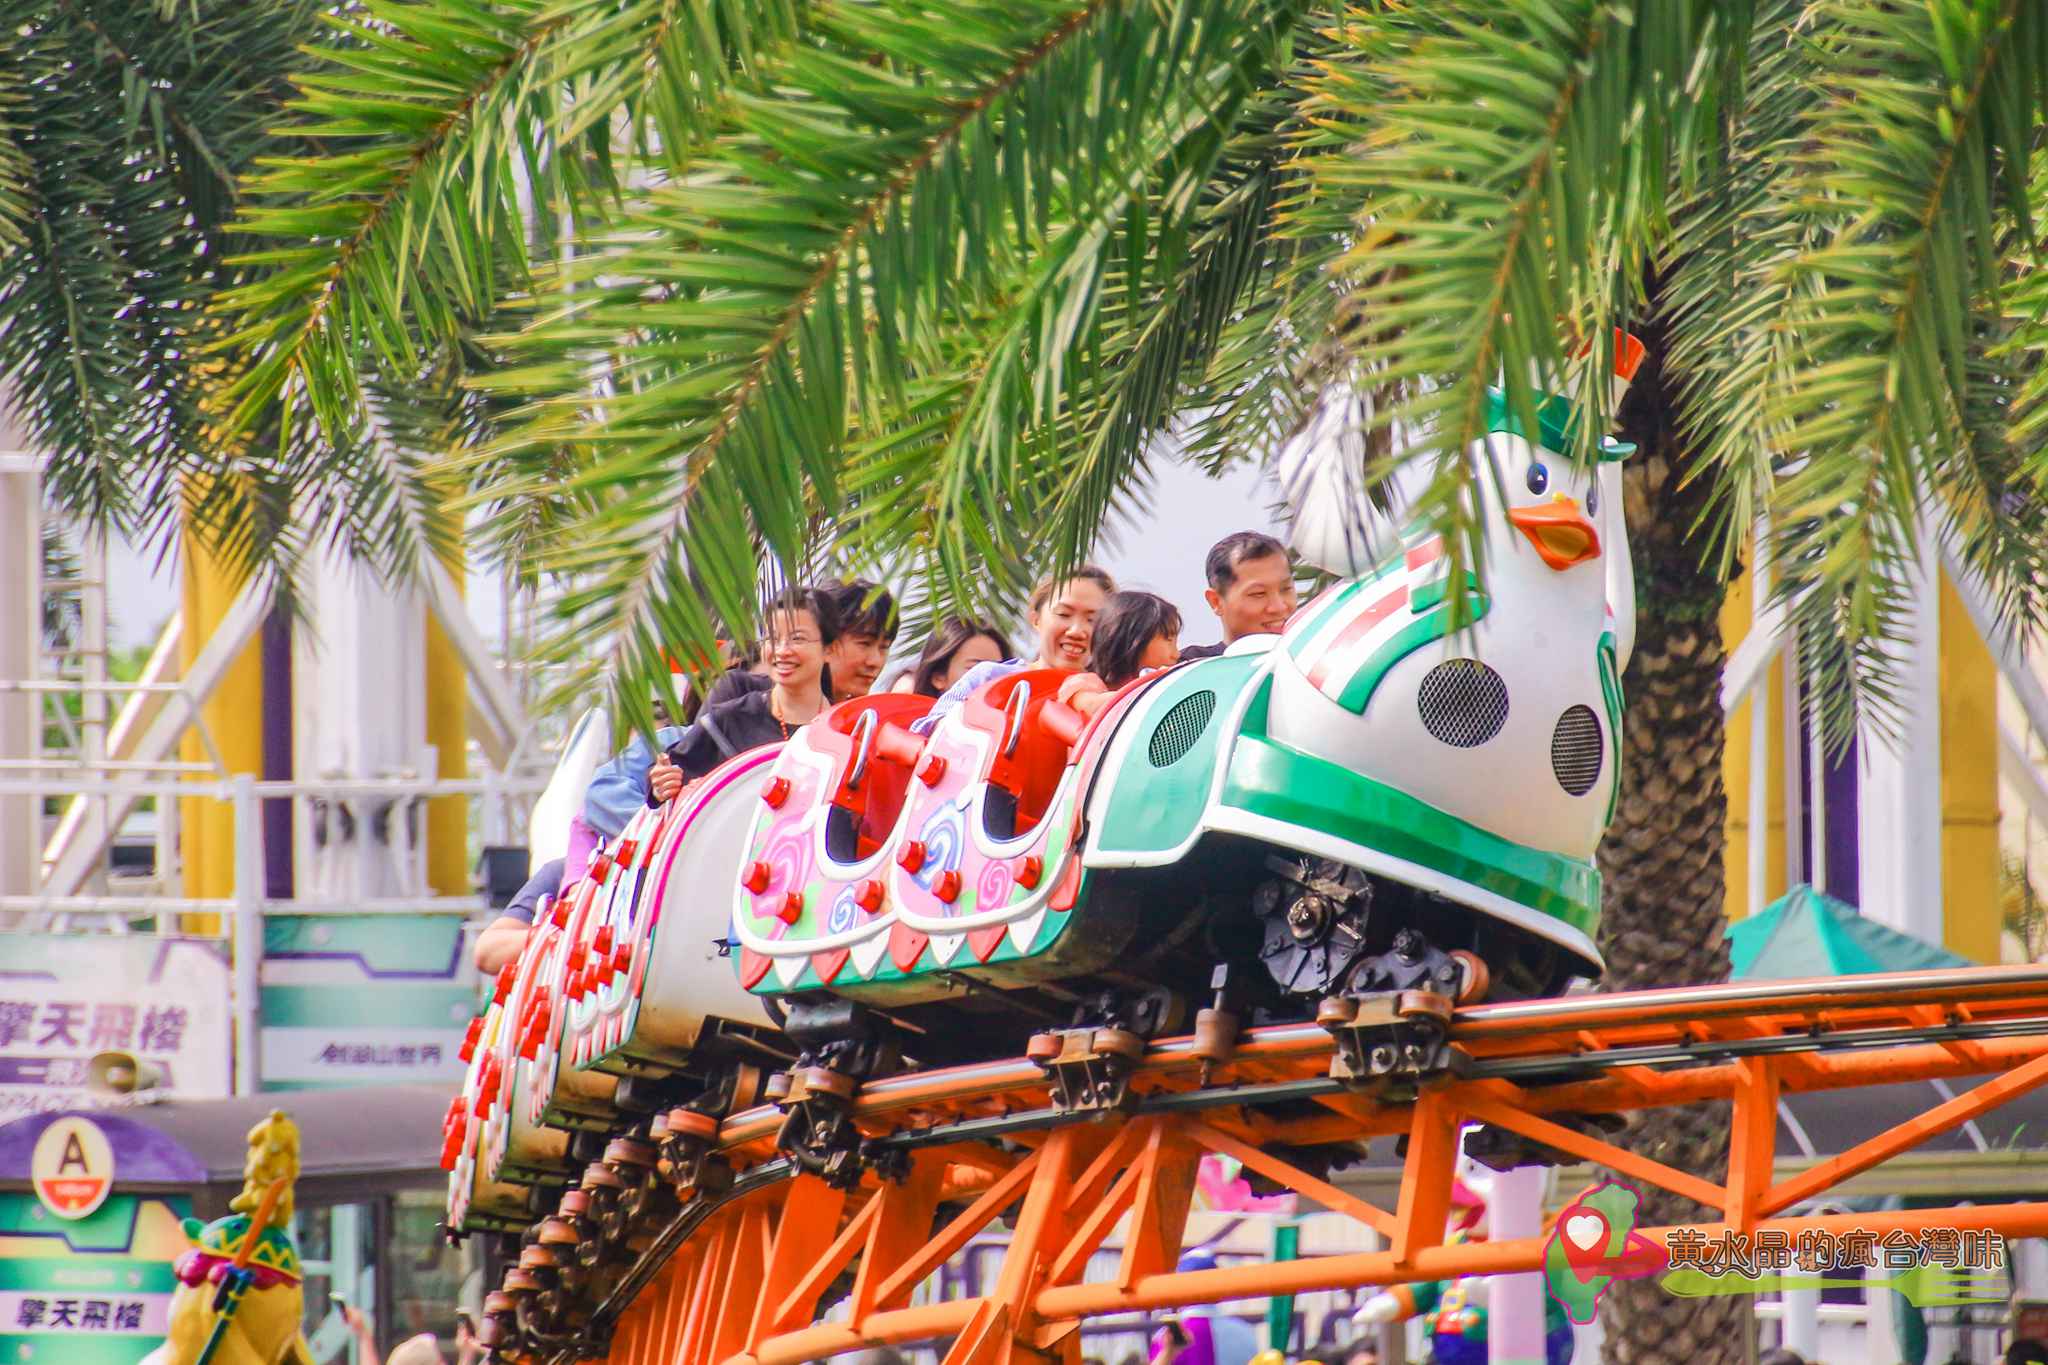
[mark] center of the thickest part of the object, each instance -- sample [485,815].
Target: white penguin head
[1566,511]
[1552,502]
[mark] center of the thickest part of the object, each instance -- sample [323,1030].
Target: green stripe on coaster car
[1279,783]
[1156,809]
[1610,694]
[1417,633]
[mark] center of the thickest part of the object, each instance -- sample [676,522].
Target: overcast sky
[1160,551]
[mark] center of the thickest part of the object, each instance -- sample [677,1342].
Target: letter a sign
[73,1167]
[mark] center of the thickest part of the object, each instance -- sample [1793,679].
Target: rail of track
[1530,1064]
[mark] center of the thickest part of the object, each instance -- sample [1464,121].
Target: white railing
[240,915]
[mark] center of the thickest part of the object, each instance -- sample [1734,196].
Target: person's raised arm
[665,780]
[499,943]
[619,788]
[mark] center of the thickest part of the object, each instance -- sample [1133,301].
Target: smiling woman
[798,635]
[1063,612]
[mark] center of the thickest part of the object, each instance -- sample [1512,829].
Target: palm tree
[124,132]
[666,288]
[1662,887]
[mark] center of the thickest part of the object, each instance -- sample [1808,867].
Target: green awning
[1806,933]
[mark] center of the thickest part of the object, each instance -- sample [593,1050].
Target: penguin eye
[1538,477]
[1593,498]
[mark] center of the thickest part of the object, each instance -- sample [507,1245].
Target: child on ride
[1136,633]
[798,635]
[1063,612]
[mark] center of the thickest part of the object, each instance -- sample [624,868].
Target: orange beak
[1559,531]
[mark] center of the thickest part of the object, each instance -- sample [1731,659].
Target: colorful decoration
[1409,742]
[1456,1311]
[239,1300]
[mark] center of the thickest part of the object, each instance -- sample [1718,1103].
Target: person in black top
[734,684]
[1251,589]
[860,619]
[797,636]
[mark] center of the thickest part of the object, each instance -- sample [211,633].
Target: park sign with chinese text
[64,999]
[364,1000]
[92,1291]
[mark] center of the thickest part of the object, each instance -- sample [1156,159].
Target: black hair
[1052,583]
[1129,622]
[797,599]
[938,652]
[806,600]
[1234,549]
[858,608]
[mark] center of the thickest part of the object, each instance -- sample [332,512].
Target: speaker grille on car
[1577,750]
[1181,727]
[1464,703]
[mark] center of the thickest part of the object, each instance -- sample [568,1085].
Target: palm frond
[16,202]
[1917,153]
[1098,343]
[130,133]
[1510,163]
[407,214]
[662,66]
[1724,293]
[894,174]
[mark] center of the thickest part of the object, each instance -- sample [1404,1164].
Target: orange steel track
[738,1278]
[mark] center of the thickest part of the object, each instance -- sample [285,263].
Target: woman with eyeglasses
[799,684]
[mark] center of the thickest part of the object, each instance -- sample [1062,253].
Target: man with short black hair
[1251,589]
[862,628]
[863,614]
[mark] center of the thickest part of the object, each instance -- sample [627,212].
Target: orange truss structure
[735,1267]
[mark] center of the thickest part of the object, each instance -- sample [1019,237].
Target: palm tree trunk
[1662,913]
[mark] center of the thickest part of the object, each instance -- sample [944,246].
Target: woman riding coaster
[799,633]
[954,648]
[857,620]
[1063,612]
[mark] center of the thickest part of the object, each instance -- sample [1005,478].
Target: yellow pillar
[1735,766]
[233,717]
[1969,785]
[448,731]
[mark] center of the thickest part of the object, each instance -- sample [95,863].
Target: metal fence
[238,918]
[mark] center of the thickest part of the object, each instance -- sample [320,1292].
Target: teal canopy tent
[1806,933]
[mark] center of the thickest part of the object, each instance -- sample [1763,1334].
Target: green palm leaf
[127,144]
[740,316]
[16,202]
[1507,163]
[1919,145]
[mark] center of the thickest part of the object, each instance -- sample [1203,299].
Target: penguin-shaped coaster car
[1401,792]
[239,1299]
[1451,782]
